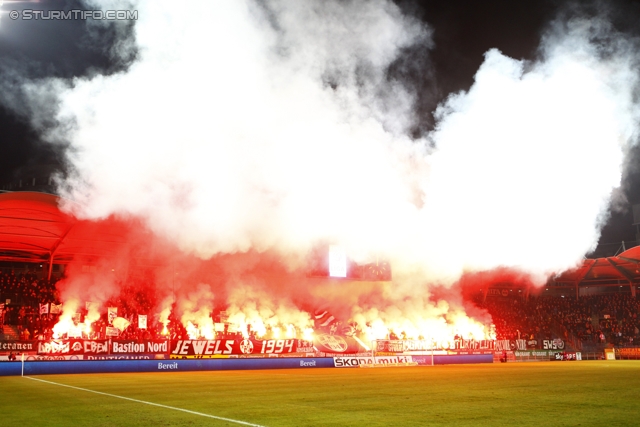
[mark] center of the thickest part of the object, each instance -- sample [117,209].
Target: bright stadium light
[337,261]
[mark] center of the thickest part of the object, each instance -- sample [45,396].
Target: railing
[575,342]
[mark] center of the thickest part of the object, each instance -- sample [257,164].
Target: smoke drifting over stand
[247,134]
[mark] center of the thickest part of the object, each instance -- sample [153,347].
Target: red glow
[118,262]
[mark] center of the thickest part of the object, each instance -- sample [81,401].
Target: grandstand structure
[34,230]
[601,274]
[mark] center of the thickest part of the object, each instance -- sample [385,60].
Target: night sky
[462,32]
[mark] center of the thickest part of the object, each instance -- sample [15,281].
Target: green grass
[588,393]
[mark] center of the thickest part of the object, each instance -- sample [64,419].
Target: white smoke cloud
[225,134]
[274,128]
[528,158]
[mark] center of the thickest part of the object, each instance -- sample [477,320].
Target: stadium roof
[34,229]
[624,267]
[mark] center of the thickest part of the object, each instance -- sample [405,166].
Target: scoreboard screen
[337,261]
[332,261]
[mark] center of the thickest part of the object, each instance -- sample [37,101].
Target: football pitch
[587,393]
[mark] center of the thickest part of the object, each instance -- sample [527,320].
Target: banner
[142,321]
[21,346]
[556,344]
[44,309]
[37,357]
[337,344]
[546,355]
[567,356]
[534,354]
[352,362]
[125,357]
[238,347]
[75,330]
[423,346]
[56,308]
[473,345]
[498,292]
[73,347]
[112,313]
[400,346]
[110,331]
[120,323]
[356,361]
[139,347]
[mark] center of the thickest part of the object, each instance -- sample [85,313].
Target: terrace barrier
[41,367]
[177,365]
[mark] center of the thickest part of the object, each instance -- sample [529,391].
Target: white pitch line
[244,423]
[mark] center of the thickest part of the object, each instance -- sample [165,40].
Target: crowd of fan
[26,288]
[515,318]
[20,293]
[24,293]
[611,319]
[600,319]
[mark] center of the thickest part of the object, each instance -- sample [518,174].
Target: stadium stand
[593,321]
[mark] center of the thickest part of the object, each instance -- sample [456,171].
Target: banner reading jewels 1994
[225,347]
